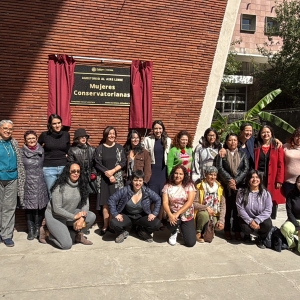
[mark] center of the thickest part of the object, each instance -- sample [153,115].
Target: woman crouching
[131,205]
[67,213]
[178,197]
[209,203]
[254,206]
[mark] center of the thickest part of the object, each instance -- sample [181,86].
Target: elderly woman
[138,158]
[82,152]
[181,152]
[291,161]
[178,197]
[233,168]
[131,205]
[12,179]
[67,212]
[109,160]
[205,153]
[56,144]
[292,226]
[209,203]
[35,191]
[254,205]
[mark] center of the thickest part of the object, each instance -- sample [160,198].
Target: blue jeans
[50,175]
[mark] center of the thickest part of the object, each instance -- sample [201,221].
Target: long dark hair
[127,146]
[186,177]
[216,144]
[82,182]
[106,133]
[50,119]
[164,135]
[246,191]
[260,140]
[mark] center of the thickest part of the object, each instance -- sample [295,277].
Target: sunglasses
[75,171]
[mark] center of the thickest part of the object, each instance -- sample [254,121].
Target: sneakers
[8,242]
[120,238]
[173,238]
[247,239]
[144,235]
[260,244]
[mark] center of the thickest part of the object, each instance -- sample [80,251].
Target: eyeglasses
[211,135]
[75,171]
[7,129]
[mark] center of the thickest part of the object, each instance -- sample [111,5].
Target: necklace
[6,148]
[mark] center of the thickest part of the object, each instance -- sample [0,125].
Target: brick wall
[180,37]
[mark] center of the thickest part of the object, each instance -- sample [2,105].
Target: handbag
[93,189]
[209,232]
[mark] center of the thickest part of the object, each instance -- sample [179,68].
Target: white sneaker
[173,238]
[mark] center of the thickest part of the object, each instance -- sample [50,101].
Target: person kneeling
[131,205]
[67,212]
[209,202]
[254,205]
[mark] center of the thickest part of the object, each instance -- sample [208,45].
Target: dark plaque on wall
[96,85]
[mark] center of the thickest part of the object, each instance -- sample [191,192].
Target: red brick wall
[180,37]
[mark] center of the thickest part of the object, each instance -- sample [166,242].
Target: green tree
[252,116]
[283,67]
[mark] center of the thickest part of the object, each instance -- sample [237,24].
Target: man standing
[12,179]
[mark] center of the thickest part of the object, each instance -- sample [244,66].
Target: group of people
[147,184]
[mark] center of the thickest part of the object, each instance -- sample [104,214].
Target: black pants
[142,221]
[187,230]
[231,209]
[265,227]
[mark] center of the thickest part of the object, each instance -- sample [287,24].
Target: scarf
[233,160]
[211,197]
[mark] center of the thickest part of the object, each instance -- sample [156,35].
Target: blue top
[8,161]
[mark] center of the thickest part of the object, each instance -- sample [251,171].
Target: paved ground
[138,270]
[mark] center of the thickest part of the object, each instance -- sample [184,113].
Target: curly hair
[291,139]
[164,134]
[127,146]
[206,144]
[176,140]
[82,182]
[260,140]
[30,132]
[186,177]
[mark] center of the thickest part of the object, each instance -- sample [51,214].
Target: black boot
[38,219]
[274,211]
[31,230]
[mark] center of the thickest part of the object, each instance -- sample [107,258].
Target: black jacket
[118,200]
[224,171]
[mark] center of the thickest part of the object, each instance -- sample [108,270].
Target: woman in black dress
[158,144]
[109,160]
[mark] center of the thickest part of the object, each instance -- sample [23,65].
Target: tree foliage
[252,116]
[283,68]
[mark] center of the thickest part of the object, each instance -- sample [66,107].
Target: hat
[80,132]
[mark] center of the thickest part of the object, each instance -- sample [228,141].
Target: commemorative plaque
[96,85]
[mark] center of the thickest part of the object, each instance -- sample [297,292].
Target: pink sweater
[291,163]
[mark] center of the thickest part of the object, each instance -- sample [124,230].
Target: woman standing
[205,153]
[83,153]
[254,205]
[132,205]
[269,161]
[109,160]
[233,168]
[137,157]
[158,144]
[68,209]
[178,197]
[181,152]
[56,144]
[291,161]
[35,190]
[292,226]
[209,203]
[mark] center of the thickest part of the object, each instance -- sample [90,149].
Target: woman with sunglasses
[67,215]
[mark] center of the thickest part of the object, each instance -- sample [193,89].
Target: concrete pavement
[138,270]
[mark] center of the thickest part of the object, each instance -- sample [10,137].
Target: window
[248,23]
[271,26]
